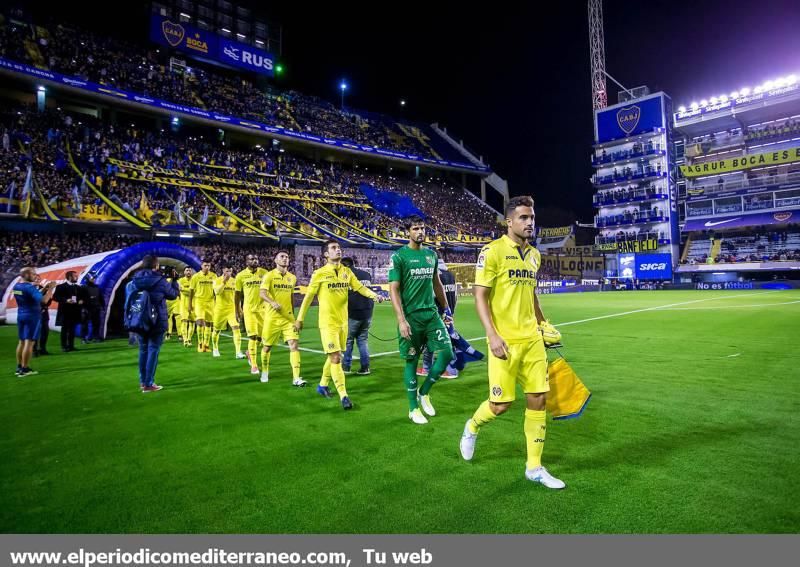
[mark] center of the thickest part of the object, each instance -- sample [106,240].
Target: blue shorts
[29,328]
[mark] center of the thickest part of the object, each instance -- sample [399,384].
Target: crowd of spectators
[759,245]
[138,68]
[270,172]
[630,216]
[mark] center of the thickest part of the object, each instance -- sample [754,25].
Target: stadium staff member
[149,278]
[29,318]
[69,296]
[40,347]
[359,313]
[91,310]
[507,304]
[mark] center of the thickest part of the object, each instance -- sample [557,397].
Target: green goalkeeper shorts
[427,328]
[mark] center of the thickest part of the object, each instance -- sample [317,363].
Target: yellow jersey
[184,282]
[225,292]
[248,283]
[281,289]
[203,287]
[332,284]
[510,272]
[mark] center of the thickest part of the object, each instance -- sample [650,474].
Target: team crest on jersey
[330,345]
[497,391]
[429,260]
[412,351]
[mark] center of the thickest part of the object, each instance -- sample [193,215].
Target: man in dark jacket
[92,307]
[359,314]
[150,279]
[69,297]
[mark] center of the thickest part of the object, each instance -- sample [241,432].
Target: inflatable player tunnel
[112,271]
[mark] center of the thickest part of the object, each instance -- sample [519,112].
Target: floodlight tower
[597,54]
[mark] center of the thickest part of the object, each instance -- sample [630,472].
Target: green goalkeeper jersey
[414,270]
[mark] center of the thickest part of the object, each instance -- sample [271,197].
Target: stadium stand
[756,246]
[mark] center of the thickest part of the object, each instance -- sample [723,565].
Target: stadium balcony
[622,197]
[790,128]
[628,220]
[642,138]
[740,248]
[622,157]
[611,180]
[702,145]
[205,90]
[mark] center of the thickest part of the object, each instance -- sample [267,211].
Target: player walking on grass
[331,283]
[508,307]
[415,288]
[186,315]
[249,306]
[225,312]
[201,303]
[277,292]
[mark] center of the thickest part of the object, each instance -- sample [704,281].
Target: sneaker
[363,371]
[324,391]
[417,417]
[346,403]
[540,475]
[27,372]
[427,406]
[18,371]
[240,355]
[300,383]
[467,444]
[421,371]
[152,388]
[264,376]
[450,374]
[216,353]
[347,370]
[254,370]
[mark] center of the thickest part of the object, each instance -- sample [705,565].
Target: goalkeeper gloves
[551,335]
[447,315]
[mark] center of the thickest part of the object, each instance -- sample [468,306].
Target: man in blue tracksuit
[150,279]
[29,316]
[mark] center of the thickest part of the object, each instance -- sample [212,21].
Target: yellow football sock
[294,361]
[209,332]
[252,349]
[191,332]
[535,429]
[215,339]
[237,340]
[482,416]
[170,324]
[326,373]
[337,374]
[265,355]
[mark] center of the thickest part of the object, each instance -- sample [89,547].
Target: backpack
[140,313]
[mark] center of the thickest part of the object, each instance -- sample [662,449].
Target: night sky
[512,79]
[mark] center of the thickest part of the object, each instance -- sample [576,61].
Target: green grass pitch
[693,427]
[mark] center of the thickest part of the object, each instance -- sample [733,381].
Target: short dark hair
[71,272]
[408,222]
[149,262]
[281,251]
[348,262]
[328,243]
[518,201]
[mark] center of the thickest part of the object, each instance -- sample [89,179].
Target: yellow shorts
[186,315]
[526,365]
[173,308]
[203,310]
[334,339]
[225,318]
[275,327]
[253,322]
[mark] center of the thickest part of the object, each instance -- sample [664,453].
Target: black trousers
[91,316]
[44,333]
[68,334]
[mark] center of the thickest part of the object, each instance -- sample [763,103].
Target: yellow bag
[568,396]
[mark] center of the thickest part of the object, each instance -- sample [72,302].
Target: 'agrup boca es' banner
[742,162]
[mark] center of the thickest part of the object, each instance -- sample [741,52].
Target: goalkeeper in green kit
[415,289]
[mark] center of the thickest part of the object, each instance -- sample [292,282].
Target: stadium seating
[286,194]
[778,246]
[143,69]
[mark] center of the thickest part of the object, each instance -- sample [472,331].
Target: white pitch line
[730,306]
[659,307]
[379,354]
[734,355]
